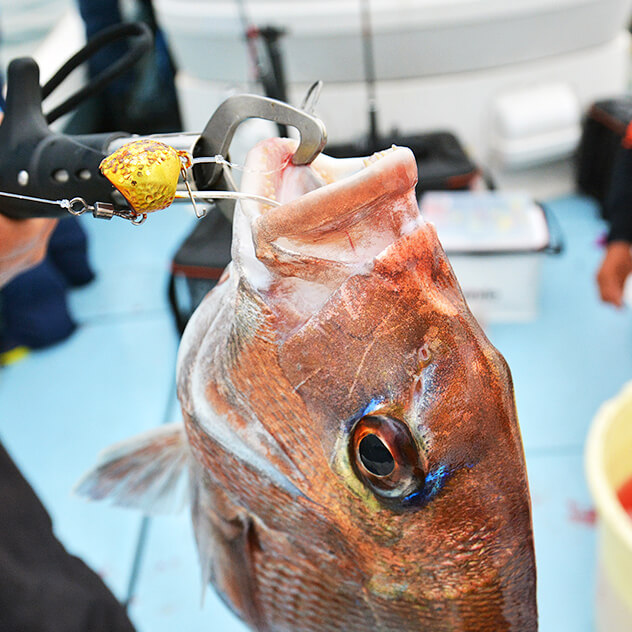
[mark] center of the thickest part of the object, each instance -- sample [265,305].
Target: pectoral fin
[147,472]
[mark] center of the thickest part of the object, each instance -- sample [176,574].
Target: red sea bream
[350,437]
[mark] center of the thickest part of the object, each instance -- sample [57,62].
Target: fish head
[417,419]
[384,404]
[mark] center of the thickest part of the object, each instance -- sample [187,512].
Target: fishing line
[220,160]
[312,97]
[16,255]
[368,56]
[63,203]
[78,206]
[190,194]
[249,33]
[188,161]
[226,195]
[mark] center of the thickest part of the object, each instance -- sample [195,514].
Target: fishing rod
[368,57]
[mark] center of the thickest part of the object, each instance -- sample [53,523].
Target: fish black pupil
[375,456]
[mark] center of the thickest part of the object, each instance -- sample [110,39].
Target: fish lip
[331,232]
[389,173]
[392,174]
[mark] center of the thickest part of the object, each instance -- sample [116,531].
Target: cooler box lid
[486,222]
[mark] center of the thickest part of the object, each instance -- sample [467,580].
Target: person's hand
[614,270]
[23,245]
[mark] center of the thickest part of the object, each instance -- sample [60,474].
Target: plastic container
[494,242]
[608,467]
[536,124]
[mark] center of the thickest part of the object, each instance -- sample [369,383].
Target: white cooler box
[495,242]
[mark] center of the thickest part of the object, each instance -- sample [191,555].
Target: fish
[350,448]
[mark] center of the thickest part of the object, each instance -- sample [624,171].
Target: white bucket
[608,467]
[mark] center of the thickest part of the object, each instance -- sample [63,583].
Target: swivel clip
[103,210]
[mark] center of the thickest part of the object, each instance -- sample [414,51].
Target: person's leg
[68,251]
[34,309]
[143,100]
[97,16]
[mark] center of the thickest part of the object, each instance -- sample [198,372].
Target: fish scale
[303,605]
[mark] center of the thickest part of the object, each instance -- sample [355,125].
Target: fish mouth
[336,216]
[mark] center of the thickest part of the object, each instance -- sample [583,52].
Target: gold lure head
[146,173]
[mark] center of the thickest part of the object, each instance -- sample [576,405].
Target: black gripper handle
[37,162]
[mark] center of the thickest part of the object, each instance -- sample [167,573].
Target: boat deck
[114,378]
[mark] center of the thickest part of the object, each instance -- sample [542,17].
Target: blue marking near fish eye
[371,407]
[413,500]
[435,480]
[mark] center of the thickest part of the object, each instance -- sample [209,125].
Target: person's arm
[617,262]
[613,272]
[23,244]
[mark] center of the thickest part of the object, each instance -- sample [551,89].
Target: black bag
[198,264]
[604,127]
[441,160]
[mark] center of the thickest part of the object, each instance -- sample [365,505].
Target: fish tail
[147,472]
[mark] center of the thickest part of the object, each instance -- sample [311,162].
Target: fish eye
[375,456]
[386,458]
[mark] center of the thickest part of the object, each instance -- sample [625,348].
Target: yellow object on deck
[13,355]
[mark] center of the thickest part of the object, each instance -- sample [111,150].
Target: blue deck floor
[114,378]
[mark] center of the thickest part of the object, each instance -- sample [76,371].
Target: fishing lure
[146,172]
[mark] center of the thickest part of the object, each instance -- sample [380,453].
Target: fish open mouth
[336,215]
